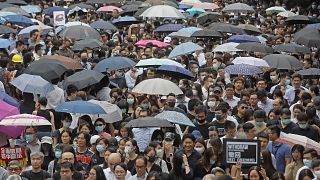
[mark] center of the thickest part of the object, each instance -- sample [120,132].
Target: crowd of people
[221,106]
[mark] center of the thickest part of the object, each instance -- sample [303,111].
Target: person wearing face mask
[84,60]
[285,80]
[208,161]
[99,128]
[212,102]
[32,142]
[98,157]
[264,102]
[150,155]
[46,149]
[259,120]
[38,52]
[309,155]
[305,129]
[194,68]
[65,50]
[66,120]
[285,120]
[315,167]
[274,77]
[200,145]
[201,124]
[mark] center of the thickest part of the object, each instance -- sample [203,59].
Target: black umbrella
[6,30]
[84,78]
[249,28]
[148,122]
[103,1]
[308,37]
[299,19]
[207,33]
[5,5]
[140,11]
[226,28]
[79,32]
[47,69]
[82,6]
[130,10]
[105,25]
[86,43]
[254,47]
[311,73]
[208,17]
[291,48]
[16,2]
[281,61]
[114,63]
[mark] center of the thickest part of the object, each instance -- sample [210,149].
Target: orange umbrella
[66,61]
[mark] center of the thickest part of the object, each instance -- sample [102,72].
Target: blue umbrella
[175,71]
[31,8]
[19,20]
[175,118]
[243,38]
[190,29]
[184,48]
[5,43]
[183,6]
[126,19]
[169,28]
[82,107]
[8,99]
[242,69]
[314,26]
[50,10]
[114,63]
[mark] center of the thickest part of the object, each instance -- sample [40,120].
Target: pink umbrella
[154,42]
[206,6]
[109,9]
[8,110]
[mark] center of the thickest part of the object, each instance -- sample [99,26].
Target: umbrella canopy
[24,120]
[195,11]
[7,13]
[153,42]
[84,78]
[52,70]
[169,28]
[254,47]
[114,63]
[250,29]
[281,61]
[148,122]
[105,25]
[76,23]
[157,62]
[242,69]
[314,26]
[80,32]
[4,5]
[125,20]
[8,110]
[175,72]
[238,8]
[181,34]
[82,107]
[103,1]
[175,118]
[109,9]
[32,84]
[5,43]
[275,9]
[189,29]
[17,2]
[206,6]
[67,62]
[50,10]
[31,8]
[298,19]
[25,33]
[16,10]
[227,47]
[190,2]
[6,30]
[308,37]
[8,99]
[184,48]
[208,17]
[157,86]
[19,20]
[114,113]
[207,33]
[243,39]
[251,61]
[311,73]
[82,6]
[286,14]
[291,48]
[86,43]
[163,11]
[226,28]
[292,139]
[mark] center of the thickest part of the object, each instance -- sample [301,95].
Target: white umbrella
[181,34]
[114,113]
[227,47]
[157,62]
[286,14]
[251,61]
[32,84]
[190,2]
[238,8]
[162,11]
[24,120]
[157,86]
[76,23]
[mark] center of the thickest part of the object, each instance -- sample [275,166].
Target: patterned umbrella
[25,120]
[242,69]
[169,28]
[8,110]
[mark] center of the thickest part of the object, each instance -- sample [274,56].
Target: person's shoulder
[46,174]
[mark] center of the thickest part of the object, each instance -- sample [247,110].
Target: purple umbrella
[8,110]
[243,39]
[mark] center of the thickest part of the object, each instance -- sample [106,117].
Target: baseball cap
[167,39]
[93,139]
[169,136]
[17,59]
[196,134]
[46,139]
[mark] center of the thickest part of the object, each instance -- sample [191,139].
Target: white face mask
[211,104]
[317,173]
[199,150]
[195,92]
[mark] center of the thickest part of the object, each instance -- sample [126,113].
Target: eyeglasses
[13,168]
[244,107]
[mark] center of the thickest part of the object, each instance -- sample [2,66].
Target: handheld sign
[241,150]
[59,18]
[12,153]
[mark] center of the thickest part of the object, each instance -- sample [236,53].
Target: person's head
[36,160]
[39,49]
[253,100]
[259,117]
[231,129]
[46,145]
[68,157]
[188,142]
[96,173]
[242,107]
[14,167]
[261,84]
[99,125]
[229,90]
[200,145]
[101,145]
[201,113]
[315,166]
[151,73]
[85,127]
[66,171]
[274,75]
[296,80]
[264,140]
[306,174]
[297,152]
[277,104]
[66,136]
[254,173]
[83,139]
[210,156]
[249,130]
[273,132]
[141,166]
[150,154]
[113,159]
[221,112]
[31,134]
[19,46]
[278,176]
[239,83]
[302,120]
[34,34]
[120,170]
[213,132]
[131,146]
[309,155]
[285,116]
[297,109]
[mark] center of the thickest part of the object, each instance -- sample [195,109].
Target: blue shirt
[280,152]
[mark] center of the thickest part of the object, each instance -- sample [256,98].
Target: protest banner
[59,18]
[16,153]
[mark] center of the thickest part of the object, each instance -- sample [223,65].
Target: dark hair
[302,117]
[259,114]
[229,85]
[71,89]
[306,173]
[188,136]
[69,133]
[200,109]
[229,125]
[99,172]
[275,129]
[247,126]
[43,101]
[299,148]
[142,158]
[286,111]
[66,165]
[122,165]
[315,163]
[312,152]
[207,154]
[256,168]
[297,76]
[37,47]
[33,32]
[86,137]
[266,163]
[278,176]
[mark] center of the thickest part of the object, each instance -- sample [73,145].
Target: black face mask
[84,60]
[201,120]
[219,117]
[151,159]
[171,103]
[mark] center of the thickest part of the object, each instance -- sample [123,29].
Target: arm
[53,128]
[288,160]
[235,171]
[288,173]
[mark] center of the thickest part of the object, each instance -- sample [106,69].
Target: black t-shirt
[220,128]
[204,129]
[31,175]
